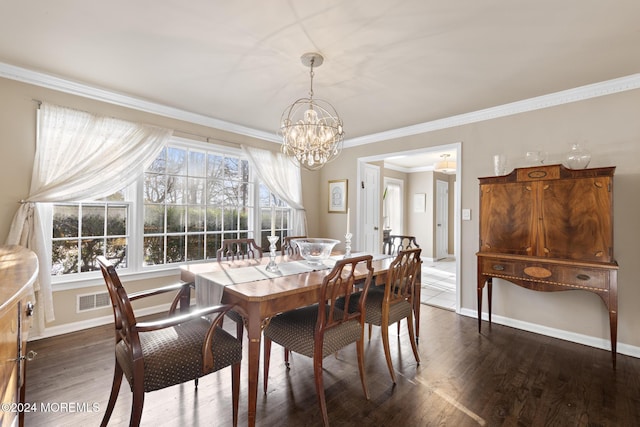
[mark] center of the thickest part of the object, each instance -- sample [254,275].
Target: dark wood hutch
[549,228]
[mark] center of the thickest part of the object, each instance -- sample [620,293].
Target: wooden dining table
[258,301]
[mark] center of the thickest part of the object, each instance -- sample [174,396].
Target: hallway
[439,283]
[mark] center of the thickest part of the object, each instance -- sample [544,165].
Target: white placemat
[210,286]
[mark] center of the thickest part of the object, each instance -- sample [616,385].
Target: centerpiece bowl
[315,250]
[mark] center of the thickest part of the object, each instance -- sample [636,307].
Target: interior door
[369,209]
[442,216]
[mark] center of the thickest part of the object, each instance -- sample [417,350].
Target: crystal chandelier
[311,129]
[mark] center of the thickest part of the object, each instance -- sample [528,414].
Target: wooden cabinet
[18,272]
[549,228]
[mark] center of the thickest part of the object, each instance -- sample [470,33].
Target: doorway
[439,244]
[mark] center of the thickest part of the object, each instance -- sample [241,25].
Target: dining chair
[290,248]
[157,354]
[395,303]
[234,250]
[239,249]
[322,329]
[396,243]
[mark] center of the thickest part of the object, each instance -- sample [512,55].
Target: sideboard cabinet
[549,228]
[18,272]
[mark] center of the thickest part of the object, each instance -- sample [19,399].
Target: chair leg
[115,388]
[414,341]
[370,329]
[363,380]
[387,352]
[267,360]
[137,404]
[317,374]
[286,357]
[239,330]
[235,390]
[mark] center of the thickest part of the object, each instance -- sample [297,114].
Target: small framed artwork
[338,196]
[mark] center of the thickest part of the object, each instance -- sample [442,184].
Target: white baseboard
[626,349]
[97,321]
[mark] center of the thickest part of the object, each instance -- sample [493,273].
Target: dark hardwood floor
[502,377]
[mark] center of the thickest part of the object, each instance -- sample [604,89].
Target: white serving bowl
[315,250]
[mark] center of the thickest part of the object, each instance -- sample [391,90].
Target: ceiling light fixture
[445,165]
[311,129]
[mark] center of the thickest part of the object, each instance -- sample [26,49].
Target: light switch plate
[466,214]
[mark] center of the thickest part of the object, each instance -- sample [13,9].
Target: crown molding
[86,91]
[581,93]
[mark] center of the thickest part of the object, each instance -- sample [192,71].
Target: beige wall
[608,125]
[610,128]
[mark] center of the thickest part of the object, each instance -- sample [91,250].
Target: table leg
[254,332]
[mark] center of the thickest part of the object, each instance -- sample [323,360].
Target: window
[82,230]
[191,198]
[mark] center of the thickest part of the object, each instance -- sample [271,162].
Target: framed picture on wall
[338,196]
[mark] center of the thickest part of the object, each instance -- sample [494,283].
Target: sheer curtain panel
[79,156]
[283,179]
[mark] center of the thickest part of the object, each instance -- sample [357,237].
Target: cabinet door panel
[506,218]
[577,219]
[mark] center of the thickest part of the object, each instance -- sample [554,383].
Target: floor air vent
[93,301]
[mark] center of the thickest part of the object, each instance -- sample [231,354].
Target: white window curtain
[283,179]
[79,156]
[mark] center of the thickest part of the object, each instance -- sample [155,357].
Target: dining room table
[259,294]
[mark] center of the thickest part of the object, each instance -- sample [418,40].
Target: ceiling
[388,64]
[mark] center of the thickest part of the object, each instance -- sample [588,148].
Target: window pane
[215,192]
[65,221]
[214,166]
[197,166]
[93,221]
[175,248]
[154,250]
[196,190]
[154,188]
[196,218]
[195,247]
[214,219]
[116,220]
[91,248]
[116,252]
[64,257]
[230,219]
[176,219]
[176,187]
[153,219]
[176,161]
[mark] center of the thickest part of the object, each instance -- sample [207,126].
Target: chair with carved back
[236,250]
[157,354]
[290,248]
[239,249]
[322,329]
[396,302]
[396,243]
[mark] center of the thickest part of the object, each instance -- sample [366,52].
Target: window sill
[98,280]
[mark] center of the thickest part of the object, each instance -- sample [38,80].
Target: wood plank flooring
[502,377]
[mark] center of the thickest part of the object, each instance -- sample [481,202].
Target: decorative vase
[578,157]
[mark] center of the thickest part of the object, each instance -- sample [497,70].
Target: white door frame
[456,199]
